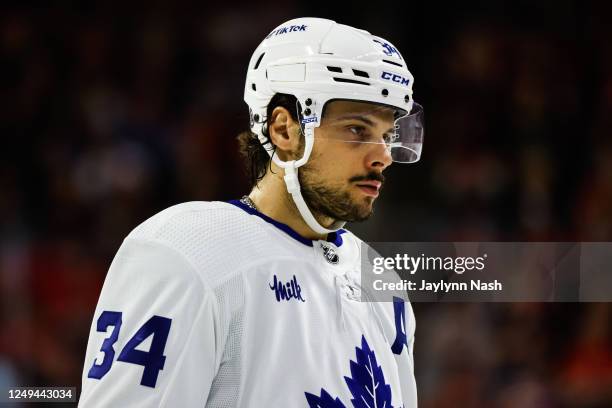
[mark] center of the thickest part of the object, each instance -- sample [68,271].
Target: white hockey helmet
[317,61]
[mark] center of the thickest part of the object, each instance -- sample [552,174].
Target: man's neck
[271,198]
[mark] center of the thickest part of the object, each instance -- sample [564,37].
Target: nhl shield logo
[330,255]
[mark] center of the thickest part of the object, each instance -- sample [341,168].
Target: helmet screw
[307,112]
[385,92]
[308,102]
[256,117]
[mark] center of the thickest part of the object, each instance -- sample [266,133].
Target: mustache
[371,176]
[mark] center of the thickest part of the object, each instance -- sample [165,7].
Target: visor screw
[308,102]
[307,112]
[407,98]
[256,117]
[385,92]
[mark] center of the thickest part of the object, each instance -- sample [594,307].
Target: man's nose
[379,157]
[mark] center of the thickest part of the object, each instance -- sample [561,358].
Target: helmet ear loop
[301,129]
[302,140]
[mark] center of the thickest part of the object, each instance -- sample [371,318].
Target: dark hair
[256,159]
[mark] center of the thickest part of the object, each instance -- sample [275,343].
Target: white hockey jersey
[213,304]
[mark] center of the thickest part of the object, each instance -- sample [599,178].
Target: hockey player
[258,302]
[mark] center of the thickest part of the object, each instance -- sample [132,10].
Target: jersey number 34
[152,360]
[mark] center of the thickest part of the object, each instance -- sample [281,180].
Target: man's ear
[285,134]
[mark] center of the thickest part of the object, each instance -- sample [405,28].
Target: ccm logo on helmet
[285,30]
[389,76]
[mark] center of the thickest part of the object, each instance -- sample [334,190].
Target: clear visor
[367,125]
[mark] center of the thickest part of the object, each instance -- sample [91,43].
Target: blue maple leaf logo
[324,401]
[366,383]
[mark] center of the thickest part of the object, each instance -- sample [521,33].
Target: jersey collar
[333,237]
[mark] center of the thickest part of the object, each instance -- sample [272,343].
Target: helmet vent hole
[385,92]
[350,81]
[361,73]
[334,69]
[253,87]
[397,64]
[259,60]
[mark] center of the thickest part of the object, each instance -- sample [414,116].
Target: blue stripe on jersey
[333,237]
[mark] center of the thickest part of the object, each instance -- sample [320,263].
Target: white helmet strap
[293,185]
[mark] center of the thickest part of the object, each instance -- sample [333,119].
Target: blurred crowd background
[114,110]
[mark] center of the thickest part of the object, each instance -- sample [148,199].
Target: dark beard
[334,202]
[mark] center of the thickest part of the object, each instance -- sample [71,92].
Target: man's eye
[358,132]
